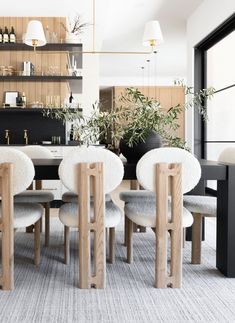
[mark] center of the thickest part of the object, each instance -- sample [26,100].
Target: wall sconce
[152,34]
[35,34]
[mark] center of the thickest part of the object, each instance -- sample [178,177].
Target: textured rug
[50,293]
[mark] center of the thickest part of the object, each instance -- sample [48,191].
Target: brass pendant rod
[93,52]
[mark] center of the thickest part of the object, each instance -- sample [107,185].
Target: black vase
[133,154]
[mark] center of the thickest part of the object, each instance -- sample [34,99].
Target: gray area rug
[50,293]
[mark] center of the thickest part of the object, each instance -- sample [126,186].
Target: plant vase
[134,153]
[71,38]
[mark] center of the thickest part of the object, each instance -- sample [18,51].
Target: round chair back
[37,152]
[23,169]
[113,167]
[146,171]
[227,155]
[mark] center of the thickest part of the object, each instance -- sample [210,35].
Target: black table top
[48,169]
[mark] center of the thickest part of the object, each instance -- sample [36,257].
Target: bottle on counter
[12,36]
[71,98]
[1,37]
[23,98]
[19,102]
[5,36]
[71,133]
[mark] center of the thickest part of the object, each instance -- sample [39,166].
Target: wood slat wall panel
[35,91]
[168,96]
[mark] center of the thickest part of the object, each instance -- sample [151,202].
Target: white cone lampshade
[152,34]
[35,34]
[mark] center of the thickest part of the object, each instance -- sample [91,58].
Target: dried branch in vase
[75,25]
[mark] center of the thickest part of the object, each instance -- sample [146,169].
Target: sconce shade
[35,34]
[152,33]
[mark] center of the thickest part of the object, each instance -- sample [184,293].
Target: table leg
[225,242]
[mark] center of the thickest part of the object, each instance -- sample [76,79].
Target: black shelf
[39,78]
[47,47]
[19,109]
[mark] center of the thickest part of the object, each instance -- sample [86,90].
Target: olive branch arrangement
[133,115]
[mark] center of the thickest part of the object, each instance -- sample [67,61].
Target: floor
[50,293]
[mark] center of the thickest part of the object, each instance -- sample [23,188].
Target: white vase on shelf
[71,38]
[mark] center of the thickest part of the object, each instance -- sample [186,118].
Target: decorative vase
[71,38]
[133,154]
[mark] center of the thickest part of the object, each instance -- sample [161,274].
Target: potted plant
[74,28]
[136,124]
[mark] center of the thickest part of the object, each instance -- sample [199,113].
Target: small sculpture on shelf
[26,138]
[7,136]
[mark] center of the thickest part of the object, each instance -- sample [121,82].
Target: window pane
[221,115]
[221,63]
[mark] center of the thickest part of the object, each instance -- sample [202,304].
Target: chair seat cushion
[34,196]
[68,214]
[201,204]
[26,214]
[70,197]
[141,195]
[144,214]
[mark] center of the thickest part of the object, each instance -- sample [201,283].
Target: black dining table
[224,174]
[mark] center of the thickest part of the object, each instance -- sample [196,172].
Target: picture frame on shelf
[10,98]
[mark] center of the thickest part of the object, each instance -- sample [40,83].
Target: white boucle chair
[204,206]
[90,173]
[169,172]
[24,214]
[39,195]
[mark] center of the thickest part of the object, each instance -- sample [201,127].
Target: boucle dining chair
[90,173]
[19,171]
[70,197]
[204,206]
[39,195]
[169,172]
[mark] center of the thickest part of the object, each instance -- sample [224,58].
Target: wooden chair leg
[41,225]
[184,238]
[196,238]
[176,257]
[37,243]
[7,245]
[66,245]
[112,245]
[125,230]
[130,242]
[47,224]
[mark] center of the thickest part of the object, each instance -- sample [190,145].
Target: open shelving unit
[52,78]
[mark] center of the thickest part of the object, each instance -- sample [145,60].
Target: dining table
[224,174]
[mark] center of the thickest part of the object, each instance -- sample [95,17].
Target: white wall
[64,9]
[209,15]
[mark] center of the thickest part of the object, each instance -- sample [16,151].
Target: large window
[215,66]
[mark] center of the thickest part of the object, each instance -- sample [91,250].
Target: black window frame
[200,77]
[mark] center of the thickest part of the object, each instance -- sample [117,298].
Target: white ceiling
[120,26]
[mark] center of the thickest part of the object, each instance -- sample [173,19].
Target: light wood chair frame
[168,181]
[6,226]
[87,279]
[46,205]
